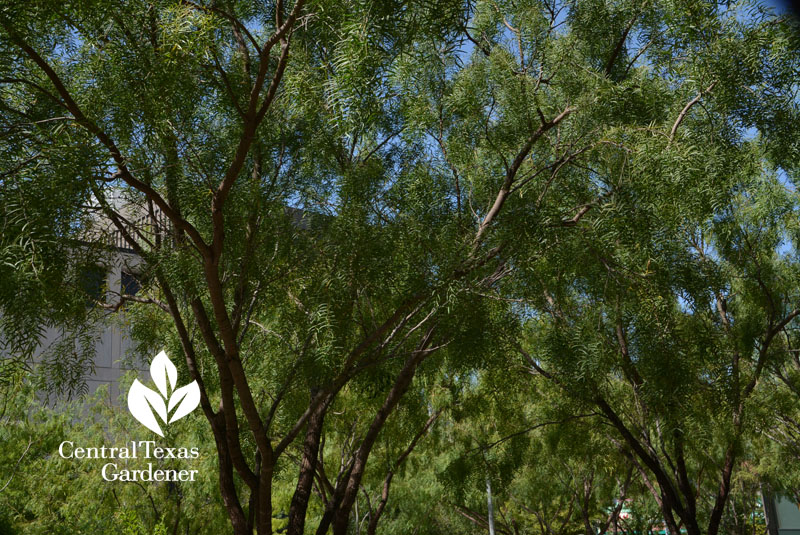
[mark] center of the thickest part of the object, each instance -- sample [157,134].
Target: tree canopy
[433,265]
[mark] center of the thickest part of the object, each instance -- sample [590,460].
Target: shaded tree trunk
[308,466]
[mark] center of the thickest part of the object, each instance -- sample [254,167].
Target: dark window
[130,284]
[92,281]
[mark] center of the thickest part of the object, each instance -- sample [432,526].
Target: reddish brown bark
[401,384]
[308,467]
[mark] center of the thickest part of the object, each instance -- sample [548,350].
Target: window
[130,285]
[92,280]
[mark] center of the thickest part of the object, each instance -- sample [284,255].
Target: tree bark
[308,466]
[375,516]
[403,381]
[230,498]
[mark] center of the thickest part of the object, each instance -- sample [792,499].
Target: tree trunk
[264,501]
[228,489]
[403,381]
[333,504]
[308,466]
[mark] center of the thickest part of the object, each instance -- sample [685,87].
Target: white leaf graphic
[162,369]
[188,396]
[140,401]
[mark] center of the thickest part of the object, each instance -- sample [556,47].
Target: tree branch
[686,109]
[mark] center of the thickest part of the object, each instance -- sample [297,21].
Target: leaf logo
[143,401]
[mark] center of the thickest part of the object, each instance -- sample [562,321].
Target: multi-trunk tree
[667,311]
[341,208]
[292,245]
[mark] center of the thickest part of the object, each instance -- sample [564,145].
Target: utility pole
[491,507]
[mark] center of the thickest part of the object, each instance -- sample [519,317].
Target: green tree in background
[667,311]
[188,113]
[358,220]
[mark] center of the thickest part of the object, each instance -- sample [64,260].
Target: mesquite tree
[340,207]
[290,245]
[667,311]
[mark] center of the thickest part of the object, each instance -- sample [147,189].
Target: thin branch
[236,22]
[16,465]
[511,173]
[124,298]
[484,448]
[686,109]
[116,154]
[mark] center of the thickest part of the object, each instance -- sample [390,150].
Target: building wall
[788,516]
[113,356]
